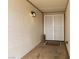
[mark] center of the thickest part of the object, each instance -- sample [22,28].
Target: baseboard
[31,49]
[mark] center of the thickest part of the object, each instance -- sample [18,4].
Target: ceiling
[50,5]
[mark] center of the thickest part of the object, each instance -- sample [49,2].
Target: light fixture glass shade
[33,14]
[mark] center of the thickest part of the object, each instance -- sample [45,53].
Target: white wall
[24,31]
[67,27]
